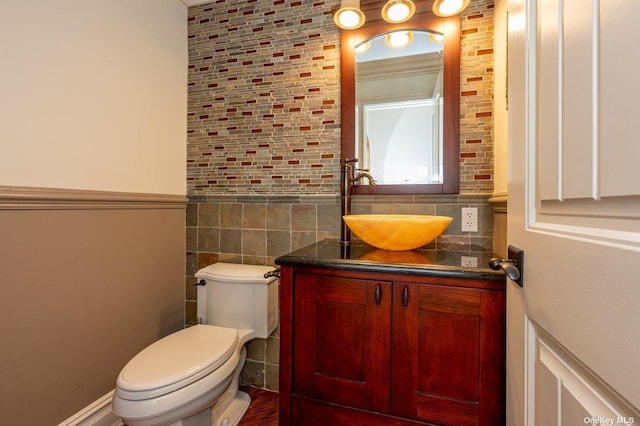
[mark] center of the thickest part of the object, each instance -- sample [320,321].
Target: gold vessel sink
[397,232]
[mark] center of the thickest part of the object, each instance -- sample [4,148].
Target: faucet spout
[348,179]
[364,175]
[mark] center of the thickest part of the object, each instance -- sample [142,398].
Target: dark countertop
[359,256]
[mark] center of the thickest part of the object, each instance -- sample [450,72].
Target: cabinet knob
[378,294]
[405,297]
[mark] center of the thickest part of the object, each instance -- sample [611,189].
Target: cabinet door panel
[449,362]
[405,350]
[450,300]
[342,337]
[338,353]
[447,351]
[449,342]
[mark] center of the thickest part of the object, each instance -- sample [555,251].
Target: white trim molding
[31,198]
[98,413]
[190,3]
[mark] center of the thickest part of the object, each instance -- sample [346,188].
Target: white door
[573,330]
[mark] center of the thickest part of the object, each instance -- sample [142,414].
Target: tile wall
[263,140]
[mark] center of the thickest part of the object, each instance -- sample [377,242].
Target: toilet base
[233,412]
[229,414]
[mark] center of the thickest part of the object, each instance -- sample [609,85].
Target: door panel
[618,97]
[574,205]
[575,80]
[567,393]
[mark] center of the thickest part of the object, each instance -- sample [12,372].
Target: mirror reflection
[399,107]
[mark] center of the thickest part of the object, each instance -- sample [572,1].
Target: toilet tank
[238,296]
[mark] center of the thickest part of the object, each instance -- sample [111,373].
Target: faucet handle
[362,170]
[352,160]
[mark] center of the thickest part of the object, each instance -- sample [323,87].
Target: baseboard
[98,413]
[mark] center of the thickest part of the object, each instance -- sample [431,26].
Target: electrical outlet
[469,219]
[470,261]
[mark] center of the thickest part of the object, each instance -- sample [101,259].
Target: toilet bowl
[191,377]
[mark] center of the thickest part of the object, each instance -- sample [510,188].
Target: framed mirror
[400,105]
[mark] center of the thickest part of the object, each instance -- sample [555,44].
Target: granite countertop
[360,256]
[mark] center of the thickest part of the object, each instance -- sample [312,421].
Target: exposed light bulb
[349,16]
[397,11]
[449,7]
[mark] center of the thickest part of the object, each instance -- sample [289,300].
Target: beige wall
[84,285]
[500,140]
[93,98]
[93,94]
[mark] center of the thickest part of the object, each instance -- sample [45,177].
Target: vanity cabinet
[376,348]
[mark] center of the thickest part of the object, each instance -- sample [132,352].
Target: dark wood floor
[263,410]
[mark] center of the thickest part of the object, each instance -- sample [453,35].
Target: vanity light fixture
[398,11]
[398,39]
[447,8]
[349,16]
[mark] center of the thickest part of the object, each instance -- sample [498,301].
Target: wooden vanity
[370,337]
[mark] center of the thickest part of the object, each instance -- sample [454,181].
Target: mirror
[400,106]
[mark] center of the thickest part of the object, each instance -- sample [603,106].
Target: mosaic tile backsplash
[264,98]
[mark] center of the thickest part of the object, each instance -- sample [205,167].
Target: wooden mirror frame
[424,19]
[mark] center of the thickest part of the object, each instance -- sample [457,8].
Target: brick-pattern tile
[476,98]
[264,95]
[264,98]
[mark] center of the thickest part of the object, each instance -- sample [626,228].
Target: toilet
[191,377]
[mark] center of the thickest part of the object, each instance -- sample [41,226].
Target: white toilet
[191,377]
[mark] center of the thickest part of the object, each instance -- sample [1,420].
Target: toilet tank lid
[236,272]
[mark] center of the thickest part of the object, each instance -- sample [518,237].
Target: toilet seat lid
[178,360]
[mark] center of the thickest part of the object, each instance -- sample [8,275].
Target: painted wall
[92,101]
[93,95]
[82,289]
[500,124]
[500,104]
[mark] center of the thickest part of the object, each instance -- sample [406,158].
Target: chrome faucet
[349,177]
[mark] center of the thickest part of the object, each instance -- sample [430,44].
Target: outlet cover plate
[469,219]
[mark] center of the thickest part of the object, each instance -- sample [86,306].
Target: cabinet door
[342,340]
[448,356]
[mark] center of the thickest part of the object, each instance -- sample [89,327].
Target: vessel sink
[397,232]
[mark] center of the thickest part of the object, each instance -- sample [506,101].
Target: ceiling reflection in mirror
[399,107]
